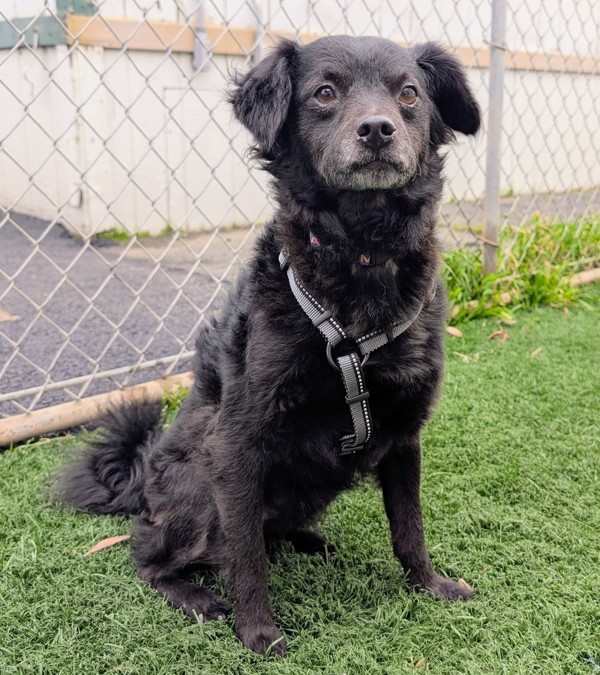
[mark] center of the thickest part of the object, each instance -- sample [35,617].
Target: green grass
[511,503]
[121,236]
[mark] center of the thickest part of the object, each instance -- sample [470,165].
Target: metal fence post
[494,133]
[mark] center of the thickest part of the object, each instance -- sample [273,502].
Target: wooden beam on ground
[72,414]
[587,277]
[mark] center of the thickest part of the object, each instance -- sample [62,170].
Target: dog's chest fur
[276,364]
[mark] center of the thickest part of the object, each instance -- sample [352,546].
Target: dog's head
[364,112]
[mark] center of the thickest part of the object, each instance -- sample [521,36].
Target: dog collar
[365,258]
[350,366]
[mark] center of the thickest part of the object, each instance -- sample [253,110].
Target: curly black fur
[253,456]
[108,478]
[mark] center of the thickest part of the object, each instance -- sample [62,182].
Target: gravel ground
[104,305]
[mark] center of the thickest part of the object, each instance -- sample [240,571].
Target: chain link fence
[126,201]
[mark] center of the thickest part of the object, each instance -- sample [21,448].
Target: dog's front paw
[262,639]
[448,589]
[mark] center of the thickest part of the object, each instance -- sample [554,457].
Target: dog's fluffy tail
[108,478]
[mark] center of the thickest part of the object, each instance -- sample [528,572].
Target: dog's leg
[161,564]
[239,496]
[310,542]
[399,474]
[197,602]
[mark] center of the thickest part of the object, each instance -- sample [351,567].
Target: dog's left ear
[447,85]
[261,98]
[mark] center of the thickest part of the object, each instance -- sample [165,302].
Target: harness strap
[357,398]
[321,319]
[350,366]
[372,341]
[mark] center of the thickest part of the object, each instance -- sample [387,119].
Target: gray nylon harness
[350,366]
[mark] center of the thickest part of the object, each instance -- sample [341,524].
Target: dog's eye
[408,95]
[325,95]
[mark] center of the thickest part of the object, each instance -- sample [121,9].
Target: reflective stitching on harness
[359,376]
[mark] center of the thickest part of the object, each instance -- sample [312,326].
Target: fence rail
[126,201]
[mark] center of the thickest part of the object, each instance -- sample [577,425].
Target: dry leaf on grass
[465,358]
[422,664]
[501,334]
[535,352]
[454,331]
[106,543]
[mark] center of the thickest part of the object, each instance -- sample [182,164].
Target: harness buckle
[334,365]
[317,321]
[350,449]
[359,398]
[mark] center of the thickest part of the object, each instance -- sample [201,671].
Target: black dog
[277,425]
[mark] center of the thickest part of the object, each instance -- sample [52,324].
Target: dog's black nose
[376,131]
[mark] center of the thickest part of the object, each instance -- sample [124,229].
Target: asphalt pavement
[70,308]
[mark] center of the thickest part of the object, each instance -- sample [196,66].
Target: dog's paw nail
[448,589]
[463,584]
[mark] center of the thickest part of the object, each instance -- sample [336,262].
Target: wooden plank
[68,415]
[231,41]
[116,33]
[119,33]
[586,277]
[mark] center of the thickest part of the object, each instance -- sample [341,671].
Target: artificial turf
[511,502]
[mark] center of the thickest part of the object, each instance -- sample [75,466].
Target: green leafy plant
[535,266]
[172,401]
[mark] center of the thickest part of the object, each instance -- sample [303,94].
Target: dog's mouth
[370,174]
[378,165]
[352,168]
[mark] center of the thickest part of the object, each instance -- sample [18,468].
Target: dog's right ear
[261,98]
[448,86]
